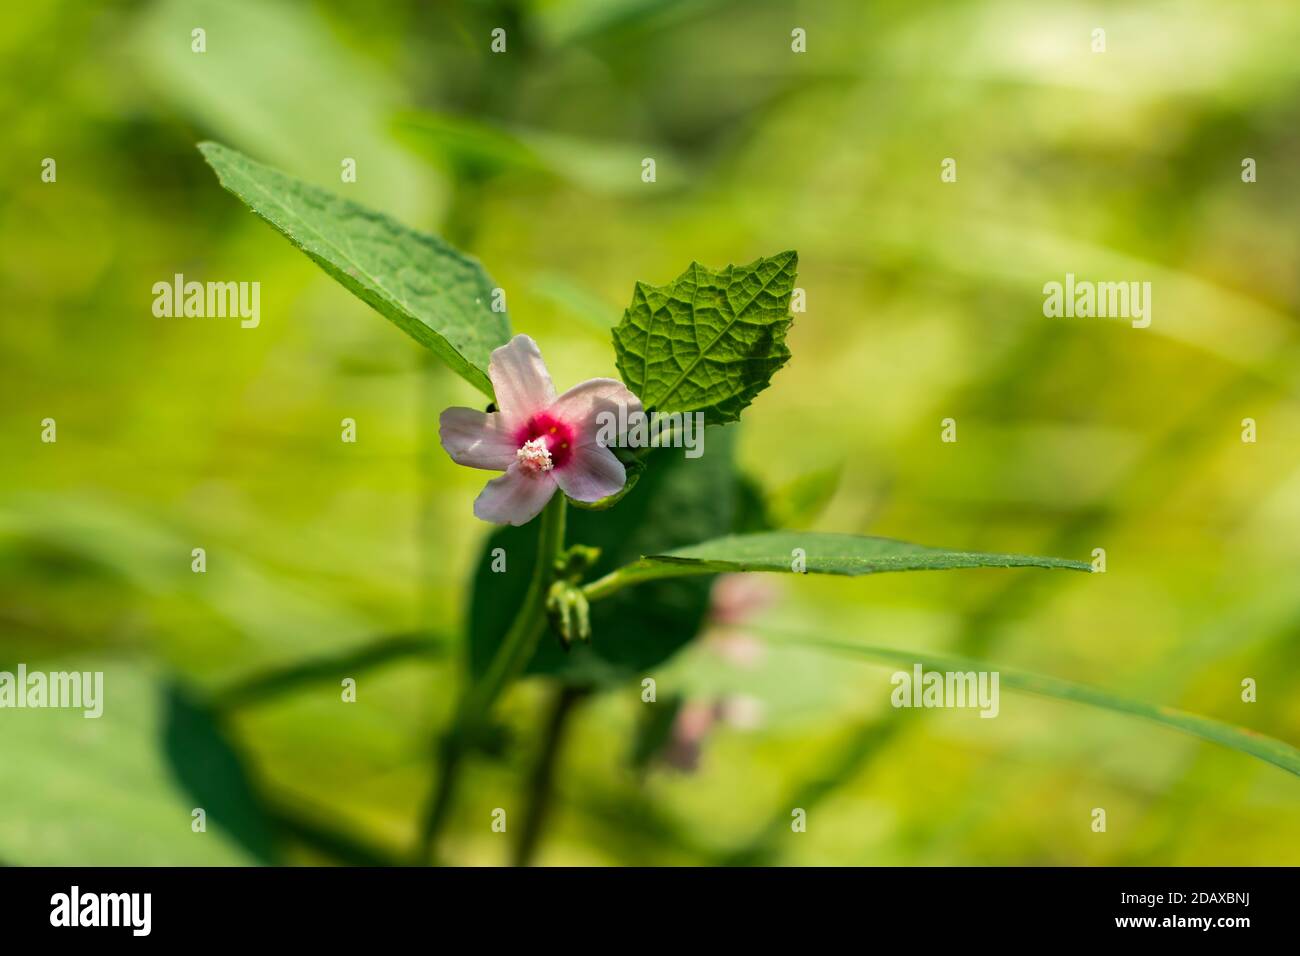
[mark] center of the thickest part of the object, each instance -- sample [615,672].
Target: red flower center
[557,434]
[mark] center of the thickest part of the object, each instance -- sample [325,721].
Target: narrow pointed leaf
[437,295]
[1241,739]
[847,554]
[812,553]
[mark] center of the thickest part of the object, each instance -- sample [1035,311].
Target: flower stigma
[534,456]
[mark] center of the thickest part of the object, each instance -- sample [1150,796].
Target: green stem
[635,573]
[521,639]
[511,657]
[541,788]
[273,684]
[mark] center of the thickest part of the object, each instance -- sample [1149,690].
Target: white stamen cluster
[534,455]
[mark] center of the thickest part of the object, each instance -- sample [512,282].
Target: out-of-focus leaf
[574,300]
[593,20]
[798,503]
[475,147]
[751,508]
[708,341]
[210,769]
[678,500]
[654,731]
[438,296]
[272,684]
[120,789]
[465,145]
[605,166]
[270,621]
[277,79]
[1241,739]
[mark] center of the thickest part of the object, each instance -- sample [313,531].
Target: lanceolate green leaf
[813,553]
[438,296]
[708,341]
[1241,739]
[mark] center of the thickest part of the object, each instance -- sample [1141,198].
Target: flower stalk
[511,658]
[636,573]
[564,701]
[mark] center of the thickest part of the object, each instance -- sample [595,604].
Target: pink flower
[738,598]
[696,720]
[735,600]
[692,725]
[540,441]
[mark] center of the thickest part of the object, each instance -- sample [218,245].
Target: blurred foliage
[329,560]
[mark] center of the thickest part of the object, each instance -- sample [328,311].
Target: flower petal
[477,439]
[585,406]
[591,473]
[523,386]
[517,497]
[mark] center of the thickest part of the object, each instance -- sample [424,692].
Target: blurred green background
[328,559]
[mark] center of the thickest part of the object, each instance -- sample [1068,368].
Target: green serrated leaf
[813,553]
[708,341]
[438,296]
[1241,739]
